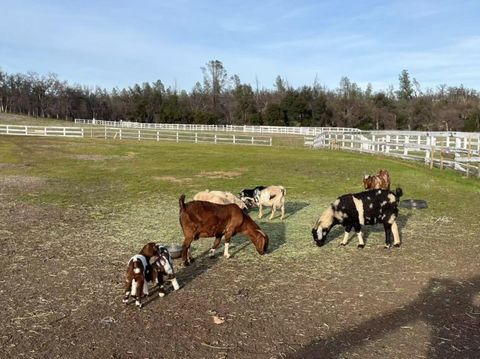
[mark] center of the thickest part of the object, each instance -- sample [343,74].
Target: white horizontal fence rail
[136,134]
[457,150]
[283,130]
[41,131]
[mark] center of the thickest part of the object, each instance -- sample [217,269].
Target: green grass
[134,186]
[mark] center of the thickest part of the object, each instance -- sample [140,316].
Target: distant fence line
[135,134]
[286,130]
[457,150]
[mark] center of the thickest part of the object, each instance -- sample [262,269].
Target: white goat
[219,197]
[272,196]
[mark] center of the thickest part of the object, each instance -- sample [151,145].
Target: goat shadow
[339,230]
[450,308]
[290,209]
[275,229]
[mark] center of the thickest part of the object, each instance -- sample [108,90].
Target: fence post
[215,138]
[120,133]
[158,136]
[252,140]
[7,129]
[105,132]
[196,137]
[177,137]
[405,145]
[82,132]
[64,132]
[139,135]
[233,139]
[270,141]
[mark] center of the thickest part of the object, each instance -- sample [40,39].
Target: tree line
[223,99]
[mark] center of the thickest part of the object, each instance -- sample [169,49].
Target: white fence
[457,150]
[219,128]
[135,134]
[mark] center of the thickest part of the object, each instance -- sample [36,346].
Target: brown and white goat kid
[135,281]
[161,266]
[272,196]
[378,181]
[358,209]
[200,219]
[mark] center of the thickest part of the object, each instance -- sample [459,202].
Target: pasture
[72,212]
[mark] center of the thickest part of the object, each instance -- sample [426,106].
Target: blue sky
[119,43]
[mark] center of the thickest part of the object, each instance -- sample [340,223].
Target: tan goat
[272,196]
[219,197]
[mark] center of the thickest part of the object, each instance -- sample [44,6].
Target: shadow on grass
[290,209]
[239,243]
[338,231]
[450,308]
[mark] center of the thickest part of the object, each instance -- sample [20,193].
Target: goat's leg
[345,236]
[283,211]
[139,291]
[274,209]
[215,245]
[260,213]
[388,234]
[361,242]
[186,259]
[128,288]
[228,237]
[161,289]
[396,235]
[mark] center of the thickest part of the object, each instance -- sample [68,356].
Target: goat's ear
[365,176]
[261,232]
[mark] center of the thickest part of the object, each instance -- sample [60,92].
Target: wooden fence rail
[135,134]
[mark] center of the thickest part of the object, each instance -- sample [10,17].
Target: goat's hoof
[361,246]
[397,245]
[161,294]
[138,304]
[387,246]
[343,244]
[125,301]
[227,256]
[186,263]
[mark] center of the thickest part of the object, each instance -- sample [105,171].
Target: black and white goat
[364,208]
[248,196]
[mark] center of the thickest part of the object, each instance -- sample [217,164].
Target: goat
[379,181]
[219,197]
[364,208]
[135,282]
[248,195]
[201,219]
[161,265]
[272,196]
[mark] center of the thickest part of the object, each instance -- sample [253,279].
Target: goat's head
[260,240]
[323,226]
[367,181]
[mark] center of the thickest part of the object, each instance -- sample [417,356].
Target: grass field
[73,212]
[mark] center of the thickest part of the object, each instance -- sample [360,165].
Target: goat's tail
[398,193]
[181,202]
[284,191]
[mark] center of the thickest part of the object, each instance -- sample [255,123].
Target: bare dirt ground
[62,275]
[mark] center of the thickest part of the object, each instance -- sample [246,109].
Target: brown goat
[201,219]
[379,181]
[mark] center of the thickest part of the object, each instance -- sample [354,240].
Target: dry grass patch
[220,174]
[21,183]
[172,179]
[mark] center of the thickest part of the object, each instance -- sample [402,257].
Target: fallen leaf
[218,320]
